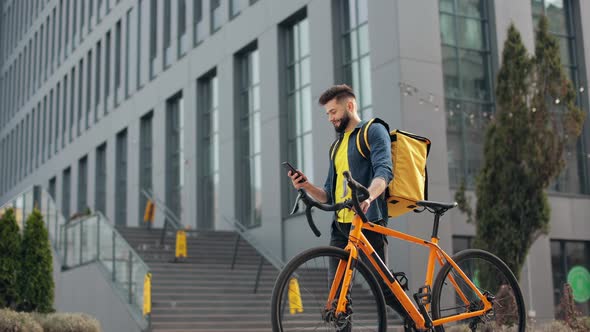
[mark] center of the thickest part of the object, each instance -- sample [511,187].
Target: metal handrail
[242,232]
[169,216]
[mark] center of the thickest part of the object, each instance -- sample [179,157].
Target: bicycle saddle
[437,206]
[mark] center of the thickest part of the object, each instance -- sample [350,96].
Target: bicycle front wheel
[452,296]
[300,296]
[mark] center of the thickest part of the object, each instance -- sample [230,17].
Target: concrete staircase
[202,293]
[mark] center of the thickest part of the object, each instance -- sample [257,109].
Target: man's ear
[350,105]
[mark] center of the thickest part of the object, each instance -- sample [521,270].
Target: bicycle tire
[508,309]
[280,321]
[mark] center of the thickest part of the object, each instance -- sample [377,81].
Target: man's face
[338,114]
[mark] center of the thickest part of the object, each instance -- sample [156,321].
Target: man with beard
[375,172]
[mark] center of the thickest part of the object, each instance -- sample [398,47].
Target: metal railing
[242,233]
[86,240]
[170,218]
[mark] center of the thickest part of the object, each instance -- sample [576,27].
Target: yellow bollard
[147,294]
[181,244]
[150,209]
[295,304]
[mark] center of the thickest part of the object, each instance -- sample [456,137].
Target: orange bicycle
[332,289]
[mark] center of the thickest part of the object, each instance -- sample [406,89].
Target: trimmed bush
[36,280]
[9,260]
[556,326]
[11,321]
[68,322]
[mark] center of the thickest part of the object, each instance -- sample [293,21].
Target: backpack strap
[334,147]
[362,138]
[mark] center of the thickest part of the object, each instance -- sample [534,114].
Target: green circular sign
[579,279]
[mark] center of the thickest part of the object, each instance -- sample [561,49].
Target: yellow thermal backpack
[408,156]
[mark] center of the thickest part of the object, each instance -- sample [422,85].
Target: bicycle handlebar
[359,194]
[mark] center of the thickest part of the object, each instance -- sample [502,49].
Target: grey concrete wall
[86,289]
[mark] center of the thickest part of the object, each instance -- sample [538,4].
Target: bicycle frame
[357,240]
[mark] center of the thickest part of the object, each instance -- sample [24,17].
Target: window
[117,61]
[64,106]
[88,88]
[216,18]
[198,29]
[74,24]
[145,161]
[570,262]
[66,18]
[51,187]
[560,15]
[467,77]
[97,81]
[82,18]
[296,122]
[236,6]
[127,53]
[90,14]
[27,145]
[121,179]
[54,47]
[181,29]
[50,124]
[72,102]
[167,50]
[461,242]
[59,45]
[43,132]
[153,36]
[174,153]
[82,184]
[80,92]
[57,113]
[107,72]
[100,176]
[39,129]
[139,50]
[249,161]
[208,151]
[356,62]
[65,193]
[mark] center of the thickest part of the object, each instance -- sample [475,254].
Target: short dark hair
[338,92]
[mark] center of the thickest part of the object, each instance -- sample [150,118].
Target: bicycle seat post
[437,215]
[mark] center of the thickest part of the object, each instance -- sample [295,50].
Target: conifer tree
[36,279]
[536,118]
[9,259]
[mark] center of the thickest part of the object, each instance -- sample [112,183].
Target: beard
[343,124]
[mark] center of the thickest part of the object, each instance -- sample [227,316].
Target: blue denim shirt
[378,165]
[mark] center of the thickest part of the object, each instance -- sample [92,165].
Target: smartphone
[290,167]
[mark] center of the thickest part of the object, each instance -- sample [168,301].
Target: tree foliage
[10,241]
[36,279]
[535,121]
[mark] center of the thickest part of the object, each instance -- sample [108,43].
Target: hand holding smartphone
[290,167]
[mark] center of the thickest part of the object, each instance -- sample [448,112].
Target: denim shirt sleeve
[329,182]
[380,152]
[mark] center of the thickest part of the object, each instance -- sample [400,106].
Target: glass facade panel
[65,192]
[121,179]
[145,164]
[356,63]
[174,154]
[208,151]
[82,203]
[468,79]
[100,173]
[575,178]
[249,163]
[570,262]
[298,119]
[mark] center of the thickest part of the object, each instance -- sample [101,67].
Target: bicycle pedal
[422,298]
[424,295]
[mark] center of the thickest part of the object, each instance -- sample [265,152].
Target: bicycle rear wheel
[492,277]
[301,291]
